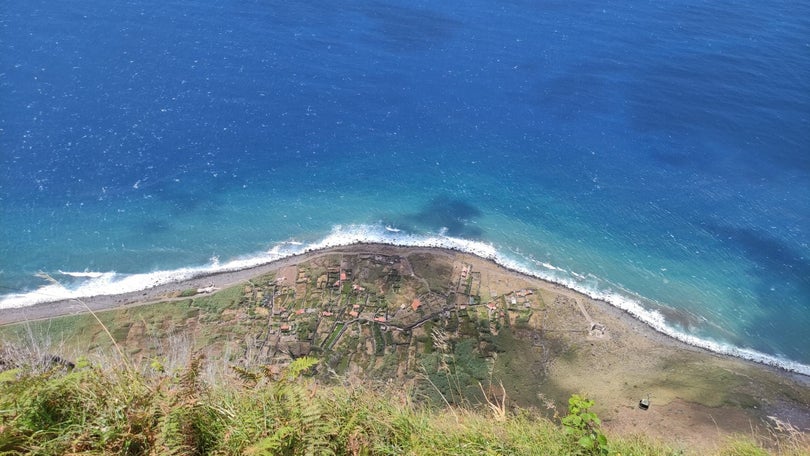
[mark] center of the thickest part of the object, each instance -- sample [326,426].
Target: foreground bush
[91,410]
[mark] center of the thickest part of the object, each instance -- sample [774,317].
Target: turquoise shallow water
[652,155]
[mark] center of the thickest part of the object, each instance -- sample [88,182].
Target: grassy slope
[166,400]
[116,410]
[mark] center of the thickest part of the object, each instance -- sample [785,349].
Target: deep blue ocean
[654,154]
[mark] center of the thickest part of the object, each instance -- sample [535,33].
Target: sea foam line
[341,236]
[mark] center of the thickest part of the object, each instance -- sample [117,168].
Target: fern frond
[300,366]
[272,444]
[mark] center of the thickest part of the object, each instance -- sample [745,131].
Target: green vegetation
[92,409]
[379,344]
[188,292]
[333,336]
[230,373]
[452,373]
[435,272]
[584,427]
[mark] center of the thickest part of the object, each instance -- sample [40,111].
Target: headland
[381,313]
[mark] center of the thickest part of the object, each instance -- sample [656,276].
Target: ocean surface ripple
[653,155]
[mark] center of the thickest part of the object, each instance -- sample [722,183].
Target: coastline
[158,293]
[163,292]
[696,394]
[223,279]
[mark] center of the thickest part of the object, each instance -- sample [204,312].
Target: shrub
[584,427]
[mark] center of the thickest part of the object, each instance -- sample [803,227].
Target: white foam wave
[111,283]
[85,274]
[651,317]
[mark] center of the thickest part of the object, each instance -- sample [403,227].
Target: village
[379,312]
